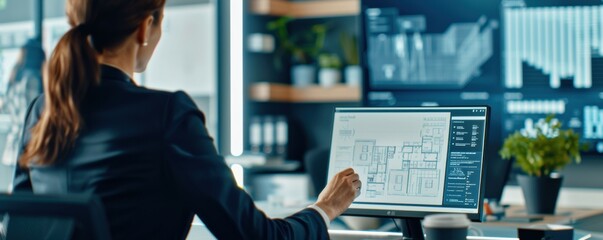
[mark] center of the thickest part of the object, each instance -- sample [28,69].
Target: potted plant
[302,48]
[542,151]
[330,66]
[353,71]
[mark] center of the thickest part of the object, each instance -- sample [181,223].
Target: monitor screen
[526,59]
[434,44]
[412,161]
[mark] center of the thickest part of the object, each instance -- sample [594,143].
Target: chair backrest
[65,216]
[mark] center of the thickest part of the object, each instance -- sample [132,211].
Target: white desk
[354,234]
[199,231]
[506,231]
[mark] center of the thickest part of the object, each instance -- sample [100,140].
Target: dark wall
[316,122]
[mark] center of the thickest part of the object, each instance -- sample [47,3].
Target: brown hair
[73,67]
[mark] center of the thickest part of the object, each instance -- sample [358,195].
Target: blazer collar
[110,73]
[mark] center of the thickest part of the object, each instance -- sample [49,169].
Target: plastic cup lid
[446,221]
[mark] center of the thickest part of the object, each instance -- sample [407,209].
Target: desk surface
[563,216]
[495,230]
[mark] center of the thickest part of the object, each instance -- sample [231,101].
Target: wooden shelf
[275,92]
[306,9]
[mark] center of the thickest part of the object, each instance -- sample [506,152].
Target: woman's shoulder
[177,99]
[128,92]
[176,104]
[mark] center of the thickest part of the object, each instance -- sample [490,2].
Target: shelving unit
[275,92]
[306,9]
[308,109]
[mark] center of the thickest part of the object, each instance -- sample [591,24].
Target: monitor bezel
[477,217]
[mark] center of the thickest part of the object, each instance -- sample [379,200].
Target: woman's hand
[339,193]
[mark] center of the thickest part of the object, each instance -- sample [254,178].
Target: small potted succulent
[330,69]
[541,151]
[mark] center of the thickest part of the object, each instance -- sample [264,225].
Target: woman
[24,85]
[146,153]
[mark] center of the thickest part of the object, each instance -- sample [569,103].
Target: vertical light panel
[600,18]
[571,49]
[587,83]
[515,62]
[546,35]
[525,18]
[588,124]
[516,46]
[540,38]
[594,15]
[555,81]
[532,36]
[562,47]
[578,52]
[236,77]
[509,75]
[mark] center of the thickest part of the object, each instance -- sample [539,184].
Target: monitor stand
[412,229]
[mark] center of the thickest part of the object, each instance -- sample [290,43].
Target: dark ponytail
[74,67]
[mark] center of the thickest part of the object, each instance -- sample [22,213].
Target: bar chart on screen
[562,43]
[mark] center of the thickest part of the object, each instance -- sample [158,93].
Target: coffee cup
[446,227]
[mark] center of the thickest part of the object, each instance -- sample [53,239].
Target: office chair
[54,217]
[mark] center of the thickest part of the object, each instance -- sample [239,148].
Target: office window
[16,27]
[185,58]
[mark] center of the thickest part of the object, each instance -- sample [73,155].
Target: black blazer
[148,155]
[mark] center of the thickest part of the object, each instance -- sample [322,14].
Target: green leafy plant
[545,149]
[303,46]
[327,60]
[349,45]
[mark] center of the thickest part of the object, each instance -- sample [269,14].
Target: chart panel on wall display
[416,46]
[553,46]
[582,112]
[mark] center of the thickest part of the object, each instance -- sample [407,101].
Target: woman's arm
[207,186]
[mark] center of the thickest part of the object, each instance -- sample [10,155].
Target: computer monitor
[413,161]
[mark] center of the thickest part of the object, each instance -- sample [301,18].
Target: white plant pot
[303,75]
[328,77]
[353,75]
[260,43]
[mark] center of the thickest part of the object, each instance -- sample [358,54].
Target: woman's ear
[144,30]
